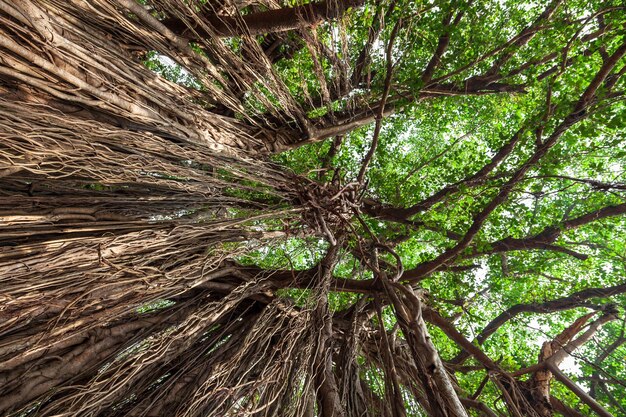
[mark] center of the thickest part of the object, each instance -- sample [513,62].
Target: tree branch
[270,21]
[574,300]
[584,397]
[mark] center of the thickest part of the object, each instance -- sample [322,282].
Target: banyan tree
[339,208]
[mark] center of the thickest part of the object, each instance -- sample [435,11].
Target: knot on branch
[329,206]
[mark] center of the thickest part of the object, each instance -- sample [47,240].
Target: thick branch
[270,21]
[580,393]
[545,238]
[574,300]
[442,45]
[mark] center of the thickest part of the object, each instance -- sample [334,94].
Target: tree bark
[270,21]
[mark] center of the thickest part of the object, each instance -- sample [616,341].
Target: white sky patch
[166,60]
[481,272]
[170,63]
[378,48]
[528,201]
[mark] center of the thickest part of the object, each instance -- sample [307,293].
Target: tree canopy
[339,208]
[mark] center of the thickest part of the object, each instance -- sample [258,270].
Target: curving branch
[545,239]
[575,300]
